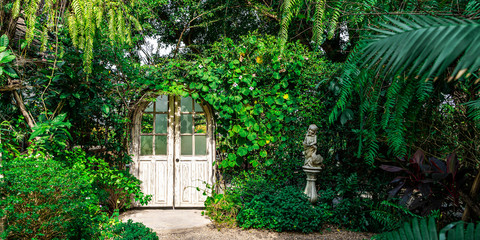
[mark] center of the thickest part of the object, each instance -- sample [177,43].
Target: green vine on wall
[253,88]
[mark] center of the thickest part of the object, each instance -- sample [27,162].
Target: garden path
[191,225]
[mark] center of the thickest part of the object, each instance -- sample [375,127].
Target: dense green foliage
[44,200]
[72,81]
[285,209]
[132,231]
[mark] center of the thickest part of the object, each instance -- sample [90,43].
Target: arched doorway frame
[174,141]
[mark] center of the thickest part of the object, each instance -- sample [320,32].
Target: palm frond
[426,43]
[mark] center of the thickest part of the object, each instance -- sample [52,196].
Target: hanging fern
[289,9]
[83,17]
[347,81]
[318,26]
[334,19]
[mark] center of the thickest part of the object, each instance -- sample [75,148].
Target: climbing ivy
[254,89]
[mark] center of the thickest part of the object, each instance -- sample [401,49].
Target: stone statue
[312,159]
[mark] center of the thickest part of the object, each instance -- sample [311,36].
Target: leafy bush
[43,199]
[287,209]
[117,187]
[429,183]
[223,208]
[132,231]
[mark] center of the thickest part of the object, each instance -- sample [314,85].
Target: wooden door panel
[145,175]
[189,176]
[161,183]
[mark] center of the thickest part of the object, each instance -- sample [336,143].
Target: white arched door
[174,151]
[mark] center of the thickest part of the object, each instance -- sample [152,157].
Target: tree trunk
[28,117]
[8,24]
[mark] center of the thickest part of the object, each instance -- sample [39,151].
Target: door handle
[177,160]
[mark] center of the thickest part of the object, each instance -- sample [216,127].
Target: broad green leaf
[3,41]
[243,132]
[236,128]
[469,233]
[276,75]
[10,72]
[263,153]
[346,116]
[242,151]
[7,59]
[416,229]
[252,136]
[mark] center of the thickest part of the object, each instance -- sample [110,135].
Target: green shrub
[287,209]
[223,208]
[44,200]
[132,231]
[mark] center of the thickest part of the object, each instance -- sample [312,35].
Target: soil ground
[210,232]
[190,224]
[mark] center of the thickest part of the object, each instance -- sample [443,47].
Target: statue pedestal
[310,189]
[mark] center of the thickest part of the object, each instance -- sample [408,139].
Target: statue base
[311,189]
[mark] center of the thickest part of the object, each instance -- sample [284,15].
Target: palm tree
[422,47]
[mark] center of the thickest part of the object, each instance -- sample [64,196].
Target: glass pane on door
[186,145]
[186,104]
[146,145]
[161,123]
[201,145]
[161,145]
[161,105]
[186,121]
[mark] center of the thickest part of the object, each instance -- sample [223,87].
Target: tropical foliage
[421,229]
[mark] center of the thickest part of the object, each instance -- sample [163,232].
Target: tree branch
[28,117]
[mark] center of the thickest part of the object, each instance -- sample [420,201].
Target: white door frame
[176,189]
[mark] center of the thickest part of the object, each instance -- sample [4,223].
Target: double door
[175,152]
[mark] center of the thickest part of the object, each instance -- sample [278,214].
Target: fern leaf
[289,9]
[334,20]
[16,9]
[347,78]
[111,25]
[473,109]
[424,90]
[391,98]
[98,16]
[319,25]
[72,28]
[120,26]
[31,18]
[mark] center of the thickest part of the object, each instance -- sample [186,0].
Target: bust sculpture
[312,159]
